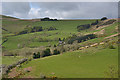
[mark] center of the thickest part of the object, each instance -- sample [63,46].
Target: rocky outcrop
[6,69]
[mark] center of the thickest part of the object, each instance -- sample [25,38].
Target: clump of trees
[108,22]
[81,38]
[86,26]
[104,18]
[111,47]
[36,55]
[83,27]
[95,23]
[48,19]
[45,53]
[35,29]
[56,52]
[30,30]
[51,28]
[23,32]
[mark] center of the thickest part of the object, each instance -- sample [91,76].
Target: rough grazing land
[86,59]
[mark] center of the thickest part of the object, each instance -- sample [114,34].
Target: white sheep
[81,48]
[93,45]
[86,46]
[102,43]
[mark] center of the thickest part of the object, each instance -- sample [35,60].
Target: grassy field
[92,63]
[7,60]
[66,28]
[33,39]
[19,25]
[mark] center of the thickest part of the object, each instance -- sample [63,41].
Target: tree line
[87,26]
[35,29]
[81,38]
[45,53]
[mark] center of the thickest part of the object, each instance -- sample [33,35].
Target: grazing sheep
[81,48]
[94,45]
[102,43]
[86,46]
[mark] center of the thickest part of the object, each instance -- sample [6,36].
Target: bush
[36,55]
[108,22]
[56,52]
[30,30]
[37,28]
[23,32]
[83,27]
[51,28]
[111,47]
[95,23]
[55,45]
[81,38]
[46,52]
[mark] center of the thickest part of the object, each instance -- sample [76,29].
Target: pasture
[92,63]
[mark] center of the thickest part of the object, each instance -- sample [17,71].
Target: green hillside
[75,65]
[80,56]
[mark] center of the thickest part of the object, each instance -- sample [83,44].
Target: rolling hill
[77,60]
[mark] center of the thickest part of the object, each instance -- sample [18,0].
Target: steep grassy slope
[91,64]
[18,25]
[65,28]
[7,60]
[51,37]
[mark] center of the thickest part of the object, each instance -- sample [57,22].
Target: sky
[60,10]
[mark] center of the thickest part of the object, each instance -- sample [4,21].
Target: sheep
[81,48]
[102,43]
[86,46]
[94,45]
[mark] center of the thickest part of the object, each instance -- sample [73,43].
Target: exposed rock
[100,32]
[5,68]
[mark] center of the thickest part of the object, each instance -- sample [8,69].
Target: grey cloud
[79,9]
[62,9]
[18,9]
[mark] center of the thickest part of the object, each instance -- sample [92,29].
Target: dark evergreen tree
[38,55]
[46,52]
[56,52]
[34,55]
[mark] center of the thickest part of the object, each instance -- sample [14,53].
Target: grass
[77,64]
[10,59]
[19,25]
[90,63]
[65,28]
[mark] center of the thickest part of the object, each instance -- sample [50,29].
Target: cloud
[61,0]
[34,13]
[78,9]
[0,8]
[60,10]
[18,9]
